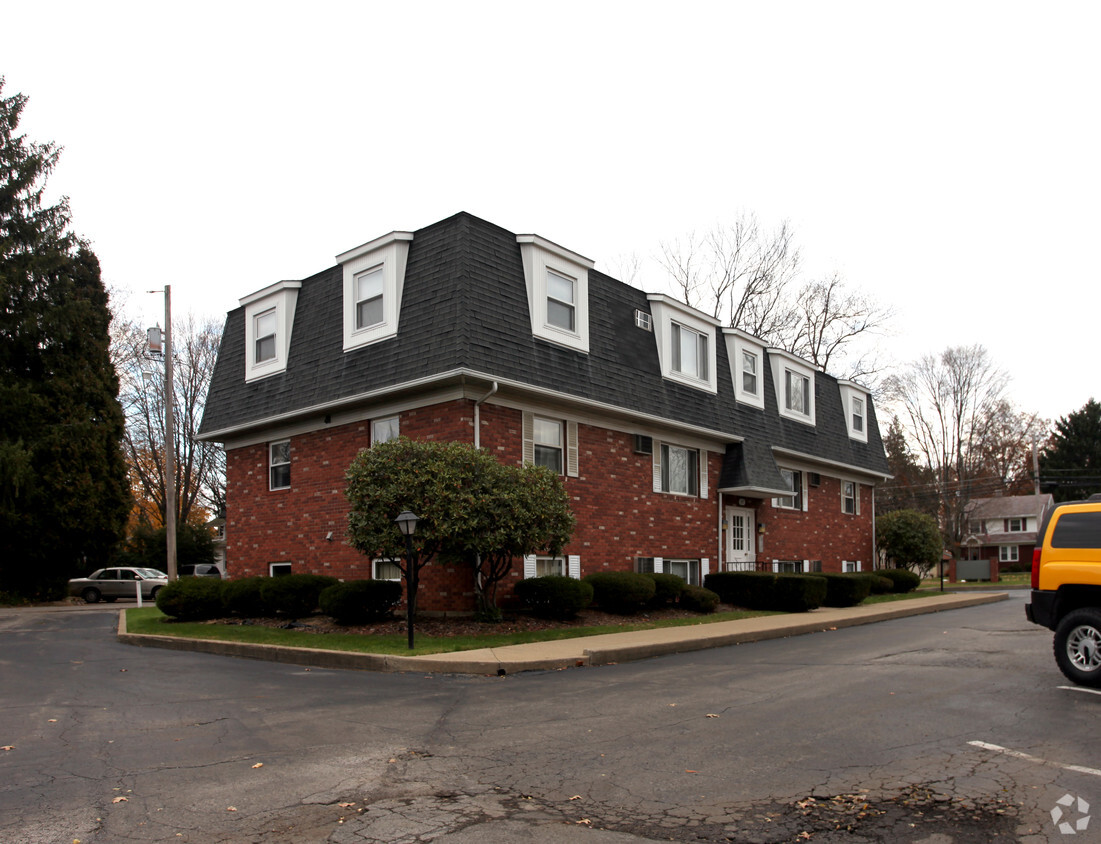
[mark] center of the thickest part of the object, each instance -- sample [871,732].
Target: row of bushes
[803,592]
[622,592]
[290,596]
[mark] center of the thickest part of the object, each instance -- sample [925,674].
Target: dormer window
[269,318]
[369,288]
[374,279]
[689,352]
[265,336]
[854,404]
[561,301]
[747,358]
[557,283]
[793,378]
[686,347]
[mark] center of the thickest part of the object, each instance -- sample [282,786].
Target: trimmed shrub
[797,592]
[904,580]
[242,597]
[879,585]
[554,596]
[845,590]
[622,592]
[360,601]
[667,588]
[698,599]
[294,595]
[191,598]
[750,589]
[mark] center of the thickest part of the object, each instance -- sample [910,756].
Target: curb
[513,659]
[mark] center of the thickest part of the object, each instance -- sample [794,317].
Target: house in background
[686,446]
[1003,529]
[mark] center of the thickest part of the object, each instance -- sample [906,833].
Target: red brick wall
[619,516]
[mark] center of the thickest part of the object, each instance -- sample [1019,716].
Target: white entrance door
[740,547]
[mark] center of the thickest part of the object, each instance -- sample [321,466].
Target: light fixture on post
[407,524]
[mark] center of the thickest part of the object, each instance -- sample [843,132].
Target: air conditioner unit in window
[644,445]
[814,478]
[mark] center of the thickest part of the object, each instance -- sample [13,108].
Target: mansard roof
[464,310]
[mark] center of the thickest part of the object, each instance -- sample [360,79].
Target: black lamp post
[407,524]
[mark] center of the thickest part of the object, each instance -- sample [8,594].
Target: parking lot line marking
[1094,772]
[1080,689]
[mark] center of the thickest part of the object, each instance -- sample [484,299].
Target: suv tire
[1078,647]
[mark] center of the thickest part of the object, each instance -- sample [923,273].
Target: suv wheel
[1078,647]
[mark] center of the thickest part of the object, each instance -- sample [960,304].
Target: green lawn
[152,621]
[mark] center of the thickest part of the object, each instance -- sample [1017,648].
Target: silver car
[121,582]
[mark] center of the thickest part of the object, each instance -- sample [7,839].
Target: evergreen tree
[1070,465]
[64,495]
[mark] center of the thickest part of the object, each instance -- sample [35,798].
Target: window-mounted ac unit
[644,445]
[815,479]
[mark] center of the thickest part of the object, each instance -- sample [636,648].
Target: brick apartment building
[685,446]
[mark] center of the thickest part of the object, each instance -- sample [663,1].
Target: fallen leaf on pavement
[120,799]
[712,715]
[8,747]
[576,797]
[231,808]
[258,765]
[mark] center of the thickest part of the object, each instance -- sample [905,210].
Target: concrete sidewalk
[604,649]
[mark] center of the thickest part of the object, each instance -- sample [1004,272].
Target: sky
[943,157]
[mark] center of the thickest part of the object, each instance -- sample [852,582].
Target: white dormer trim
[388,254]
[785,365]
[854,400]
[738,344]
[540,257]
[668,313]
[278,300]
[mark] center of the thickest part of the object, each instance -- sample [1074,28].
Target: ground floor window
[550,566]
[385,570]
[850,565]
[1008,554]
[279,569]
[686,570]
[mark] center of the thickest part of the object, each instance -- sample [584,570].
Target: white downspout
[719,556]
[478,416]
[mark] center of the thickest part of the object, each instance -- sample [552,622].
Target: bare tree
[200,466]
[946,404]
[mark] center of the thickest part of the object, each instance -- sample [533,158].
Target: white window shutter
[775,568]
[571,449]
[858,566]
[659,565]
[657,466]
[573,566]
[529,565]
[529,438]
[703,474]
[806,492]
[705,568]
[856,492]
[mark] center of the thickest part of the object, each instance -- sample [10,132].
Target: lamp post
[169,440]
[407,524]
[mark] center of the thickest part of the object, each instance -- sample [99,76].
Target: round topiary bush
[904,580]
[622,592]
[698,599]
[242,597]
[667,588]
[191,598]
[294,595]
[360,601]
[554,596]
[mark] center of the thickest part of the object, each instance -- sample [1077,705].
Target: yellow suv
[1066,586]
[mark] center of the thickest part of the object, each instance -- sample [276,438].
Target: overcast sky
[943,157]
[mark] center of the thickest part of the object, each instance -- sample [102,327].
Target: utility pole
[169,437]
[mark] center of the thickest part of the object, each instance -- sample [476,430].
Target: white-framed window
[265,328]
[850,500]
[373,282]
[679,470]
[369,292]
[858,414]
[561,301]
[690,352]
[547,437]
[686,570]
[384,430]
[976,527]
[850,565]
[545,566]
[746,354]
[793,480]
[1008,554]
[1015,525]
[385,569]
[750,363]
[279,464]
[557,283]
[796,392]
[278,569]
[551,443]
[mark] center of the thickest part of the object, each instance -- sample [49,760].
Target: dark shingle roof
[464,306]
